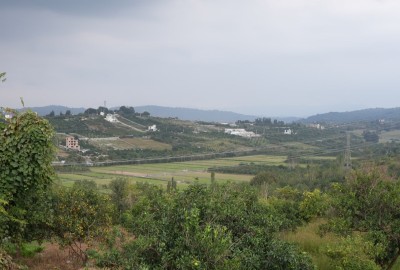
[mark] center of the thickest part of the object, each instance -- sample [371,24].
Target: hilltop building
[152,128]
[72,143]
[111,118]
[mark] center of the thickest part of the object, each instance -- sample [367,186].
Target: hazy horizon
[268,58]
[180,107]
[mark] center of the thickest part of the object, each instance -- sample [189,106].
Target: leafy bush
[30,249]
[120,195]
[369,202]
[216,227]
[354,253]
[81,214]
[26,153]
[314,204]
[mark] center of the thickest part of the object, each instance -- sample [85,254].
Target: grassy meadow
[310,241]
[184,173]
[388,136]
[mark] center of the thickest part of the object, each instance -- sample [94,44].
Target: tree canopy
[369,203]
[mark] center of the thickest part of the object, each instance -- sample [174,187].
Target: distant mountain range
[355,116]
[195,114]
[45,110]
[160,111]
[231,117]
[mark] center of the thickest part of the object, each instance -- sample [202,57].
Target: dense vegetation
[214,227]
[201,226]
[26,153]
[366,115]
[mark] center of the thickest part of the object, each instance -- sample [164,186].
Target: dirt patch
[129,143]
[51,258]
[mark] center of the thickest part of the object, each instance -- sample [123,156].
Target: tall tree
[126,110]
[120,194]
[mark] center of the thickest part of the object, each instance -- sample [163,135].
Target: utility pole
[347,154]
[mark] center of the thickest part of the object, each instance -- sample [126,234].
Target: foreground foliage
[369,204]
[81,214]
[26,152]
[216,227]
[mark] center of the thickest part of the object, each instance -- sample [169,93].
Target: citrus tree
[369,204]
[81,214]
[215,227]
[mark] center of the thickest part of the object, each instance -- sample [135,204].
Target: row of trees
[264,121]
[53,114]
[123,110]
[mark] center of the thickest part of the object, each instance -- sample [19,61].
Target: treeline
[264,121]
[306,177]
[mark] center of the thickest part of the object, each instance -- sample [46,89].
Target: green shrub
[215,227]
[30,249]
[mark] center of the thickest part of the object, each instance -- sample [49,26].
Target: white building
[111,118]
[288,132]
[152,128]
[241,132]
[317,126]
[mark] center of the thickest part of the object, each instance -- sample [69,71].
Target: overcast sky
[263,57]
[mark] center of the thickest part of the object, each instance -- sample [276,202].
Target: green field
[388,136]
[184,173]
[308,239]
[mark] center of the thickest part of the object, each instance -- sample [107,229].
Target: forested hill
[354,116]
[195,114]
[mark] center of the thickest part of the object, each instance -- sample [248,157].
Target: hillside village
[122,135]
